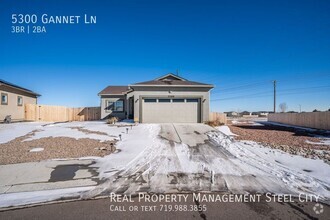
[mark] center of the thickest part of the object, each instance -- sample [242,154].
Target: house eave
[23,90]
[111,94]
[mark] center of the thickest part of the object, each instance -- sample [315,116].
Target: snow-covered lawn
[295,173]
[146,162]
[68,130]
[9,132]
[133,141]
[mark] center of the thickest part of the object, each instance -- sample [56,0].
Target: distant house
[13,98]
[261,113]
[232,114]
[245,113]
[169,98]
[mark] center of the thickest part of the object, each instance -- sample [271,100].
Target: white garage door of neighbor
[164,110]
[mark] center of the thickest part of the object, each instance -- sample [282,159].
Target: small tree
[315,110]
[283,107]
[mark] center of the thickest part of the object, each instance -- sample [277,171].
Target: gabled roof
[114,90]
[171,80]
[3,82]
[170,76]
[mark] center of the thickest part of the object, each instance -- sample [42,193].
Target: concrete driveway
[185,161]
[189,134]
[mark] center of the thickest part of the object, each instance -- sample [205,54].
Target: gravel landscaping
[18,150]
[287,139]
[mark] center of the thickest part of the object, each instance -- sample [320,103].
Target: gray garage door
[163,110]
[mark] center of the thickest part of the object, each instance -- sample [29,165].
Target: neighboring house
[261,113]
[13,98]
[232,114]
[169,98]
[245,113]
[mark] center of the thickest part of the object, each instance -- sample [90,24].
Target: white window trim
[6,95]
[107,103]
[18,104]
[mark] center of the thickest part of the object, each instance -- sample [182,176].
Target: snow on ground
[225,129]
[9,132]
[37,149]
[145,162]
[322,141]
[297,174]
[68,130]
[292,126]
[132,146]
[224,165]
[248,121]
[23,198]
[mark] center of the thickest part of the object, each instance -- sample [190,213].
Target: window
[4,99]
[150,100]
[19,100]
[178,100]
[192,100]
[164,100]
[117,106]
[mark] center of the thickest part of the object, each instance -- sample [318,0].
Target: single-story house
[169,98]
[13,98]
[232,114]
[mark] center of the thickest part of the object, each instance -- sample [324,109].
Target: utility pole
[274,96]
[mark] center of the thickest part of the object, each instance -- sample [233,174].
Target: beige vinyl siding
[105,113]
[12,108]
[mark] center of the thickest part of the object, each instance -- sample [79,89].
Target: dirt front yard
[18,150]
[288,139]
[61,141]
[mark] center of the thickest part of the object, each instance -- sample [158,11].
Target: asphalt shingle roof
[167,80]
[171,82]
[115,90]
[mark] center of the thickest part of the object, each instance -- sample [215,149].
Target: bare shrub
[112,120]
[214,123]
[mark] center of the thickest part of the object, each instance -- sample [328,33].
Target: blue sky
[239,46]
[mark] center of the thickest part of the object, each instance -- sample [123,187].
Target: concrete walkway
[47,175]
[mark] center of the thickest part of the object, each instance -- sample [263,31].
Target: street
[100,209]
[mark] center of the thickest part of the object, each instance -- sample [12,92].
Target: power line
[280,93]
[311,77]
[250,89]
[243,87]
[238,97]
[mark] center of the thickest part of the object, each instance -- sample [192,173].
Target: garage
[171,110]
[166,99]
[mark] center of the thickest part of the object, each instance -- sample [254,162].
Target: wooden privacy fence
[60,113]
[318,120]
[216,116]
